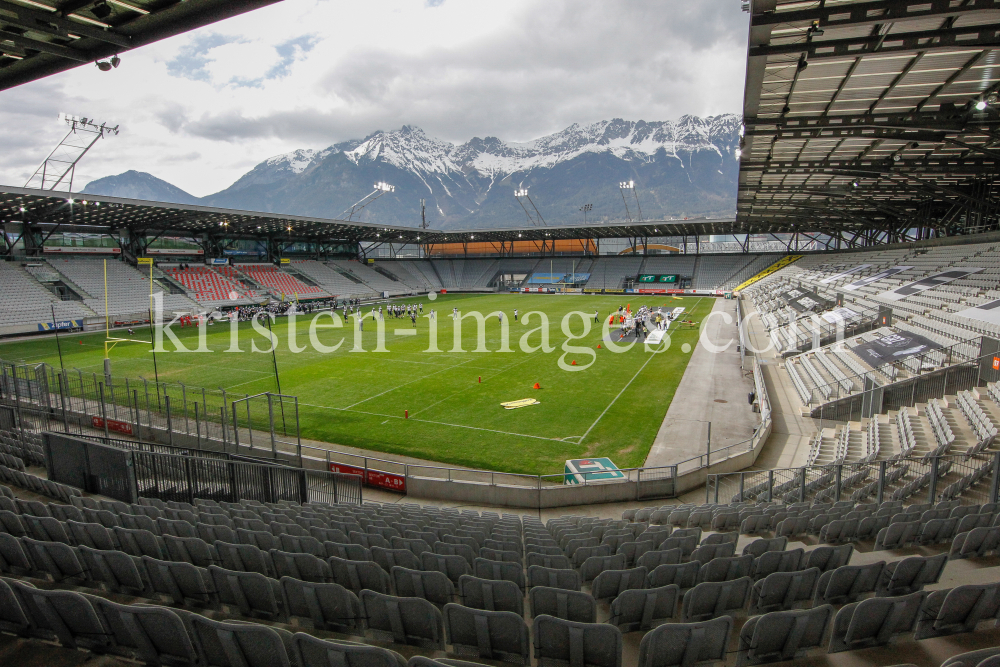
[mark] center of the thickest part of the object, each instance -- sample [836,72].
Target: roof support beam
[973,37]
[870,13]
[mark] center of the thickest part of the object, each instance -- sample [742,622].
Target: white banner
[840,275]
[838,315]
[927,283]
[987,312]
[878,276]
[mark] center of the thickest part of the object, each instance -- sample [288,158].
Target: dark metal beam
[870,13]
[973,37]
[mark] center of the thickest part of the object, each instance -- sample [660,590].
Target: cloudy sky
[201,109]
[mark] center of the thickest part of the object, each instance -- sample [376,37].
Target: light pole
[630,185]
[522,193]
[586,208]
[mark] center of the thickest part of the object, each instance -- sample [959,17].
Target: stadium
[240,438]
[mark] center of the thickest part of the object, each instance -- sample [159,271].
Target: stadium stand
[277,281]
[207,286]
[24,300]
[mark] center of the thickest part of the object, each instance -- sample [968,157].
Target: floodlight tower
[630,185]
[586,208]
[60,164]
[535,220]
[380,189]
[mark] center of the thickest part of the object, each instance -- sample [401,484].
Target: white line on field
[422,377]
[500,372]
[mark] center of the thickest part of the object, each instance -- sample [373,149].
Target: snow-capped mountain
[683,168]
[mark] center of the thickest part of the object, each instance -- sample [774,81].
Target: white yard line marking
[423,377]
[500,372]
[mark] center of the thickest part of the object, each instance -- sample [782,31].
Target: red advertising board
[376,478]
[113,425]
[643,290]
[675,291]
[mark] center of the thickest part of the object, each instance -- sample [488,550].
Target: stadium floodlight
[59,167]
[980,104]
[630,185]
[536,218]
[627,185]
[380,189]
[385,187]
[586,208]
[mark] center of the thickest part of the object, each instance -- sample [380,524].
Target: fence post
[802,487]
[225,435]
[184,402]
[707,497]
[187,472]
[716,489]
[742,485]
[17,405]
[170,421]
[298,431]
[104,412]
[270,421]
[932,487]
[881,481]
[236,431]
[840,478]
[62,398]
[135,399]
[770,486]
[995,487]
[197,427]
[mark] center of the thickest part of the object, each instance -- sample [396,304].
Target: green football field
[611,404]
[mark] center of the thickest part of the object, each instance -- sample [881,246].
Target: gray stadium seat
[848,583]
[562,603]
[179,581]
[11,523]
[782,635]
[155,635]
[652,559]
[781,591]
[685,539]
[972,658]
[46,529]
[721,538]
[710,600]
[452,566]
[875,621]
[828,558]
[347,550]
[137,542]
[300,566]
[215,533]
[262,539]
[301,544]
[65,616]
[234,644]
[557,562]
[778,561]
[490,594]
[14,558]
[499,571]
[910,575]
[975,543]
[553,578]
[595,565]
[561,643]
[93,535]
[685,575]
[316,652]
[707,552]
[495,635]
[13,619]
[59,561]
[433,586]
[581,555]
[328,606]
[357,575]
[759,547]
[686,644]
[958,610]
[634,550]
[403,620]
[244,558]
[390,558]
[726,569]
[464,550]
[643,609]
[117,570]
[252,593]
[192,550]
[612,583]
[897,535]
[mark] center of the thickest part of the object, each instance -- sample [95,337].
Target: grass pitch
[612,408]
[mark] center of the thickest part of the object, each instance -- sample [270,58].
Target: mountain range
[683,168]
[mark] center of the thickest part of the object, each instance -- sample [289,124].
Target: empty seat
[559,562]
[721,538]
[553,578]
[707,552]
[302,544]
[156,635]
[974,658]
[910,574]
[329,606]
[244,558]
[562,603]
[12,617]
[301,566]
[612,583]
[828,558]
[975,543]
[93,535]
[580,556]
[261,539]
[403,620]
[63,615]
[897,535]
[782,635]
[777,561]
[181,582]
[726,569]
[685,575]
[348,551]
[686,644]
[489,594]
[781,591]
[761,546]
[357,575]
[251,592]
[14,559]
[595,565]
[432,586]
[192,550]
[848,583]
[562,643]
[117,570]
[499,571]
[138,542]
[235,644]
[875,621]
[46,529]
[316,652]
[59,561]
[390,558]
[495,635]
[642,609]
[958,610]
[710,600]
[452,566]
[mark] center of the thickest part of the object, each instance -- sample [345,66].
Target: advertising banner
[838,315]
[894,347]
[114,425]
[840,275]
[376,478]
[87,250]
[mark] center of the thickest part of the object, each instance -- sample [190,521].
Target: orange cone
[537,386]
[574,362]
[598,346]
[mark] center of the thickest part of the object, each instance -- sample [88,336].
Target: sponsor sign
[987,312]
[376,478]
[580,471]
[996,363]
[62,324]
[144,261]
[217,261]
[891,271]
[82,250]
[802,300]
[175,251]
[644,290]
[657,278]
[547,278]
[285,260]
[838,315]
[675,291]
[929,282]
[838,276]
[894,347]
[113,425]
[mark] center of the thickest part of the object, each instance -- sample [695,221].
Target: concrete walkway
[713,390]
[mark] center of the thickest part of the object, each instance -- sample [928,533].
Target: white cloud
[309,73]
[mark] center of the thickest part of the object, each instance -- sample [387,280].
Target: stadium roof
[870,120]
[64,211]
[43,37]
